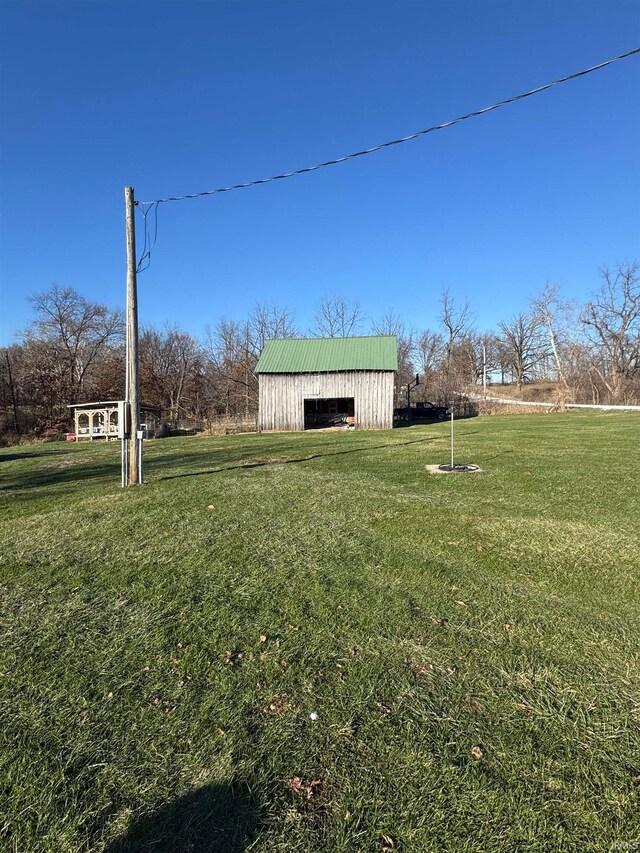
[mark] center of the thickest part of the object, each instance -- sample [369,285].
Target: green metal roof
[322,355]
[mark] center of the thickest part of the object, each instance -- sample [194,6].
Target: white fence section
[604,408]
[510,402]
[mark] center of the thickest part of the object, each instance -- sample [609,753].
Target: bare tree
[231,360]
[554,315]
[472,355]
[337,317]
[392,324]
[429,353]
[269,321]
[79,331]
[612,326]
[456,321]
[170,363]
[231,353]
[524,345]
[9,386]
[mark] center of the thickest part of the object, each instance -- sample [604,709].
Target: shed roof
[111,404]
[324,355]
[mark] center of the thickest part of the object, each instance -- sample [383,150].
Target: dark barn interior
[335,411]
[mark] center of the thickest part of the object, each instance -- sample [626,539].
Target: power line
[397,141]
[149,242]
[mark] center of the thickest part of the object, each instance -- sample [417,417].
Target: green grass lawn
[470,644]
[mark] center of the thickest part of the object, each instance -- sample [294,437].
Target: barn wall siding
[282,396]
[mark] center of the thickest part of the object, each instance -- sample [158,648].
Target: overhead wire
[149,243]
[147,204]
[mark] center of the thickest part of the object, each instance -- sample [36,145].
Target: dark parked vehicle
[422,411]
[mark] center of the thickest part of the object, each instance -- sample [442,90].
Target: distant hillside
[535,392]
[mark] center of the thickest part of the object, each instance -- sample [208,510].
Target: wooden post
[133,383]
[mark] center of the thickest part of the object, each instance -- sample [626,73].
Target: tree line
[74,351]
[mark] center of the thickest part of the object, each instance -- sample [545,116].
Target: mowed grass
[470,644]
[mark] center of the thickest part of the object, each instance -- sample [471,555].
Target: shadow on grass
[260,463]
[214,819]
[71,473]
[12,457]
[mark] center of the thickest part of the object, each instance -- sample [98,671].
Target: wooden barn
[323,382]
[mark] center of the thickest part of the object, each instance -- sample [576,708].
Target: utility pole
[132,395]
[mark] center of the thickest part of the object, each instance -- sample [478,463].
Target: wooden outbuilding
[323,382]
[100,420]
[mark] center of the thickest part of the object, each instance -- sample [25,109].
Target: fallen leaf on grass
[279,705]
[462,604]
[526,473]
[263,638]
[477,752]
[309,789]
[425,670]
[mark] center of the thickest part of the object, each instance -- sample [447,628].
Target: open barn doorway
[331,412]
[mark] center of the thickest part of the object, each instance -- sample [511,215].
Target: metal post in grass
[451,410]
[140,440]
[451,467]
[484,371]
[123,462]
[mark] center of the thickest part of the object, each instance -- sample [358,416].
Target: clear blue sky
[180,97]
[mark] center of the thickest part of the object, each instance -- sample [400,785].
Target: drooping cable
[149,242]
[575,75]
